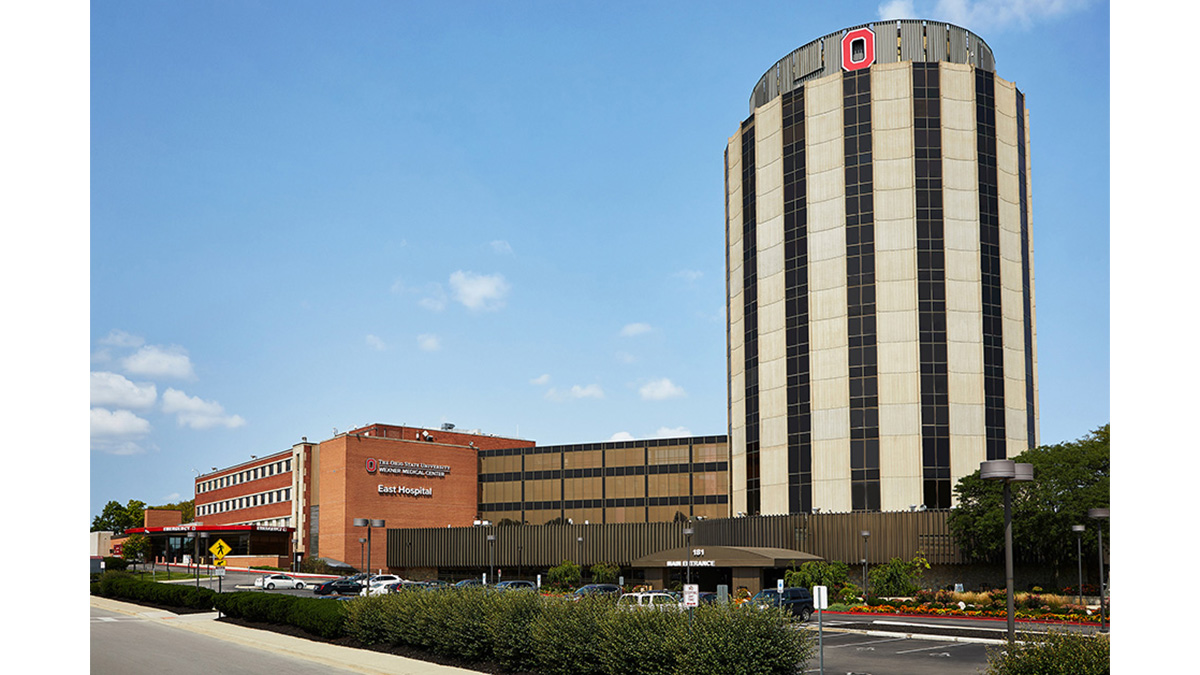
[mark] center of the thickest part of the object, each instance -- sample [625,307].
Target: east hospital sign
[413,469]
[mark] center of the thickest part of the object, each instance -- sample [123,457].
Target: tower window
[858,50]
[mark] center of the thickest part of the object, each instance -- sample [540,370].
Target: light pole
[491,540]
[579,555]
[369,523]
[866,536]
[1100,514]
[203,548]
[1079,530]
[362,560]
[687,532]
[1008,472]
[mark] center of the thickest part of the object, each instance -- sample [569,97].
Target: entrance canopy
[725,556]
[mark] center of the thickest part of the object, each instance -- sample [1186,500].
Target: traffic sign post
[820,601]
[691,598]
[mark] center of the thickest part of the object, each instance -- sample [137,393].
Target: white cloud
[668,432]
[689,275]
[658,390]
[541,379]
[122,448]
[433,296]
[196,413]
[156,361]
[111,389]
[575,392]
[501,247]
[625,357]
[983,15]
[428,342]
[621,436]
[479,291]
[172,498]
[119,338]
[117,424]
[375,343]
[632,329]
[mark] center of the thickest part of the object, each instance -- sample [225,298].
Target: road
[123,644]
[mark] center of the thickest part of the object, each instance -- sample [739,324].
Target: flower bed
[1072,615]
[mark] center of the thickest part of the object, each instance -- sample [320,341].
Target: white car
[379,584]
[273,581]
[651,600]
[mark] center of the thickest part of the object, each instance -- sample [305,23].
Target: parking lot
[863,653]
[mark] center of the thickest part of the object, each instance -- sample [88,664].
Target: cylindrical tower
[881,317]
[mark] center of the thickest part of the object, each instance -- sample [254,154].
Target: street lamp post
[1100,514]
[362,559]
[1009,472]
[1079,530]
[866,536]
[687,532]
[491,540]
[203,547]
[369,523]
[579,554]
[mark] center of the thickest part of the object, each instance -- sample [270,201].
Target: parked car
[379,584]
[340,586]
[798,601]
[469,582]
[597,590]
[516,585]
[273,581]
[658,600]
[707,598]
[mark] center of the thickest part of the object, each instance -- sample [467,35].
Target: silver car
[273,581]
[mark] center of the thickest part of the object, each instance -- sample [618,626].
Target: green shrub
[564,637]
[366,618]
[897,577]
[509,623]
[605,573]
[1053,653]
[114,564]
[736,640]
[323,618]
[565,577]
[643,642]
[126,586]
[818,573]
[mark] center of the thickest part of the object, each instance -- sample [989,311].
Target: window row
[264,471]
[249,501]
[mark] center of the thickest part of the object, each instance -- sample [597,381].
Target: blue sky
[506,216]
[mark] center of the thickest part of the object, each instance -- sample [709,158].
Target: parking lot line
[941,645]
[872,642]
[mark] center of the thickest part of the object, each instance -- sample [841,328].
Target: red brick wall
[278,481]
[349,491]
[162,518]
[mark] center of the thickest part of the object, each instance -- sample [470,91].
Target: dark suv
[798,601]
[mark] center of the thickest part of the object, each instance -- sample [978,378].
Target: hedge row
[552,636]
[127,586]
[324,618]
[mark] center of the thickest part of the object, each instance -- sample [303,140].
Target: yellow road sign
[219,562]
[219,549]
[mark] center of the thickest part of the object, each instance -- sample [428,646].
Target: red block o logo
[372,465]
[858,49]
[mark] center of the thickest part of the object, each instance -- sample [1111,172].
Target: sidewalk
[356,660]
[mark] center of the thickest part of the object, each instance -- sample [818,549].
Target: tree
[1068,479]
[565,576]
[136,547]
[116,518]
[186,509]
